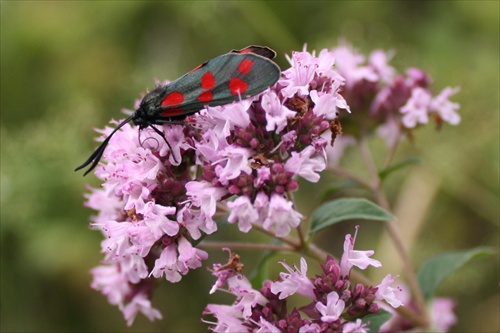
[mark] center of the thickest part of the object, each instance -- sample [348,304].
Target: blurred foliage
[67,67]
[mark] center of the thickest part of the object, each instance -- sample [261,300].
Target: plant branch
[393,231]
[245,246]
[349,175]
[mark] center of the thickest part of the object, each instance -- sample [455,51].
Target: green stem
[393,231]
[245,246]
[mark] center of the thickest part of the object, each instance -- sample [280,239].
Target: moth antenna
[97,154]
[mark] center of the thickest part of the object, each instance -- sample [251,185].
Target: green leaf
[347,209]
[433,271]
[409,161]
[376,320]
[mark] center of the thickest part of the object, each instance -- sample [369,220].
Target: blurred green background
[67,67]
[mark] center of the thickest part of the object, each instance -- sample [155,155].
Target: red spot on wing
[172,112]
[207,81]
[206,96]
[173,98]
[237,86]
[245,66]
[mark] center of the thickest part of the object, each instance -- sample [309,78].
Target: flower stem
[394,234]
[245,246]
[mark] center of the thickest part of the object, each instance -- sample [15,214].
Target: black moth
[227,78]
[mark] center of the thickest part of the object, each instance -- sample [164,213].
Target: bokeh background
[70,66]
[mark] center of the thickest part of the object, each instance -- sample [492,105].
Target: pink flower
[140,303]
[267,327]
[281,216]
[415,110]
[234,161]
[333,308]
[354,327]
[111,283]
[276,113]
[310,328]
[442,316]
[244,212]
[228,318]
[167,264]
[294,282]
[205,196]
[306,164]
[445,108]
[379,63]
[349,63]
[155,218]
[387,293]
[247,297]
[351,257]
[298,77]
[190,257]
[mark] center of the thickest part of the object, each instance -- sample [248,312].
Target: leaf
[376,320]
[409,161]
[433,271]
[347,209]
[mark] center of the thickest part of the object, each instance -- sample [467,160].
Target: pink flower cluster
[383,99]
[440,309]
[334,303]
[154,203]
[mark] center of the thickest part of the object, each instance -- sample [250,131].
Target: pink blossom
[267,327]
[234,161]
[415,111]
[351,257]
[354,327]
[177,140]
[281,216]
[195,222]
[190,257]
[276,113]
[306,164]
[204,195]
[117,242]
[140,303]
[294,282]
[327,104]
[247,297]
[350,65]
[111,283]
[301,73]
[228,318]
[333,308]
[387,293]
[242,211]
[155,218]
[168,265]
[442,316]
[133,267]
[310,328]
[379,62]
[445,108]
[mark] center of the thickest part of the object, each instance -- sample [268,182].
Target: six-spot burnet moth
[227,78]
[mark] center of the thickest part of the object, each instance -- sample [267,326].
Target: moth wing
[221,80]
